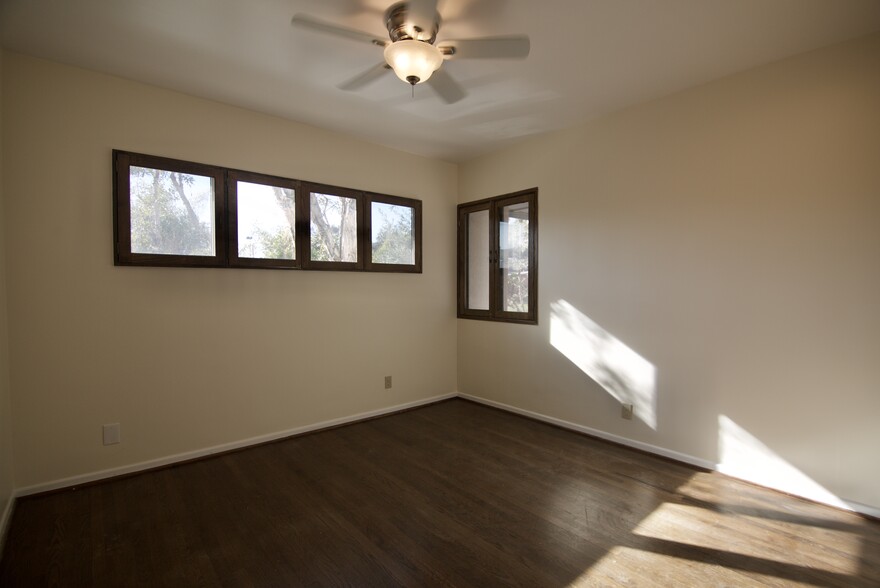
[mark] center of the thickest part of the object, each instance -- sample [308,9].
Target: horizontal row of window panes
[171,217]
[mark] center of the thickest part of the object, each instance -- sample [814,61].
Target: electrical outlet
[111,434]
[387,382]
[626,411]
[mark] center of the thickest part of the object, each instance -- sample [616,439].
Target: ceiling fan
[411,51]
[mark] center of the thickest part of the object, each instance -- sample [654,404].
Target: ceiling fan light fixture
[413,61]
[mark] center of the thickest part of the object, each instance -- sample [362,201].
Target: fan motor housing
[400,30]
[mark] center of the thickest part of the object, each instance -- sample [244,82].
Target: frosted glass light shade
[413,61]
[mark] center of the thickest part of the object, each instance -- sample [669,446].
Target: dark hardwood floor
[453,494]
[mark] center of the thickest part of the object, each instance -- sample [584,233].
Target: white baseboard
[186,456]
[865,509]
[682,457]
[180,457]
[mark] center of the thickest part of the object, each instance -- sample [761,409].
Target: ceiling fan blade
[445,86]
[512,47]
[422,14]
[367,77]
[308,22]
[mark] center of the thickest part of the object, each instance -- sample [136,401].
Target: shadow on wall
[623,373]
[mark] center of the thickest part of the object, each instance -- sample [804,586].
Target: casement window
[263,221]
[168,212]
[336,221]
[498,258]
[394,230]
[176,213]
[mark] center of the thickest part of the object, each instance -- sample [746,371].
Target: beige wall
[729,236]
[187,359]
[6,461]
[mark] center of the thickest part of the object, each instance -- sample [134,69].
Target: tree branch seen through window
[169,212]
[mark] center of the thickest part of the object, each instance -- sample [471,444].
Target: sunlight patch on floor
[749,501]
[699,527]
[629,566]
[623,373]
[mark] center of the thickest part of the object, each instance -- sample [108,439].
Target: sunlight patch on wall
[744,456]
[623,373]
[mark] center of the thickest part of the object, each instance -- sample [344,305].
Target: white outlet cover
[111,434]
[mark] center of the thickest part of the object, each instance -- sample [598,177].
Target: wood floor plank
[453,494]
[450,527]
[578,501]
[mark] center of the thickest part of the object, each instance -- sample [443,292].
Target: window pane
[393,233]
[514,258]
[478,260]
[333,228]
[266,221]
[172,213]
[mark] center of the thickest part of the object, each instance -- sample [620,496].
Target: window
[498,258]
[263,221]
[177,213]
[394,227]
[167,212]
[335,216]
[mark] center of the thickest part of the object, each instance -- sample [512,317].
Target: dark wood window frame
[416,205]
[123,255]
[312,188]
[226,222]
[494,206]
[233,177]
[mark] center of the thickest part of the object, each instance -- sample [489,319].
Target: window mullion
[494,266]
[361,235]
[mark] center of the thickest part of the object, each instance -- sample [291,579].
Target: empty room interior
[468,292]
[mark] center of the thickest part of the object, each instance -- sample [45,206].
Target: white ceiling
[589,57]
